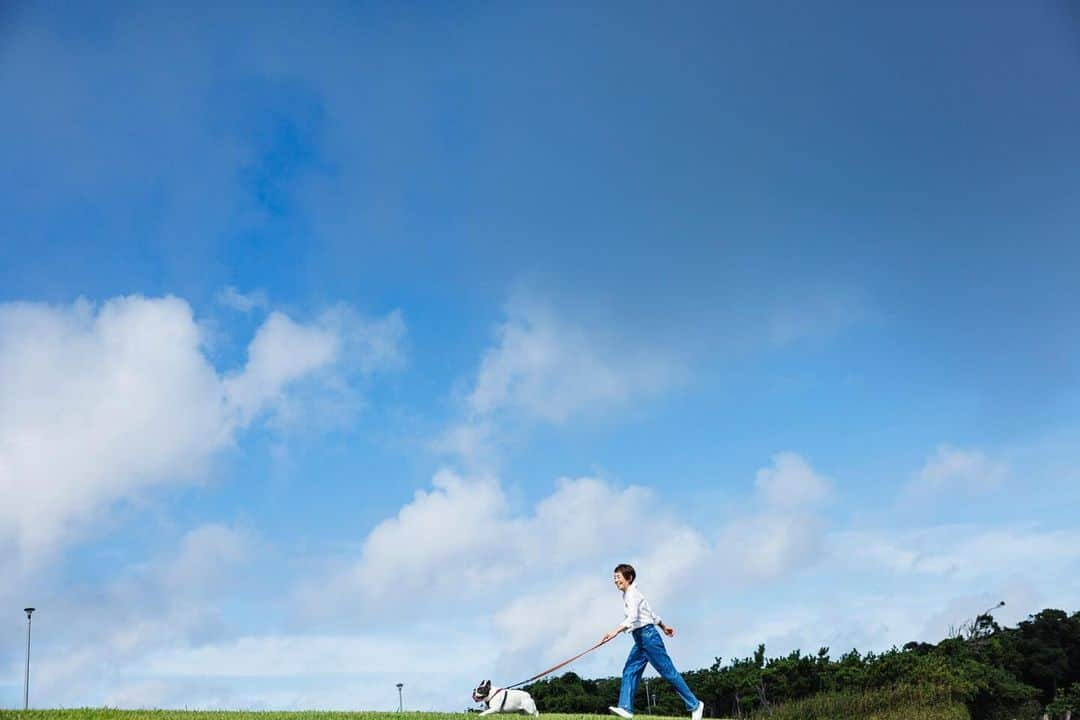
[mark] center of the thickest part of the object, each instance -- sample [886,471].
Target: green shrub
[899,702]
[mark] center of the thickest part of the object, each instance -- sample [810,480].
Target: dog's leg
[488,712]
[529,706]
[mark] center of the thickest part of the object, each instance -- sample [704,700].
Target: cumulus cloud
[242,302]
[468,564]
[784,530]
[671,566]
[99,404]
[954,471]
[961,552]
[145,645]
[467,522]
[913,584]
[293,655]
[791,483]
[205,558]
[548,368]
[159,633]
[459,523]
[281,351]
[102,634]
[472,442]
[447,689]
[545,367]
[553,558]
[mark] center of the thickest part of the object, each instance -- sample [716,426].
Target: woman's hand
[668,630]
[613,633]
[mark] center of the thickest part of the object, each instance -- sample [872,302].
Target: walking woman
[642,623]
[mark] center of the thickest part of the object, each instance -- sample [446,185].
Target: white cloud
[769,545]
[926,581]
[447,689]
[205,558]
[281,352]
[161,655]
[463,548]
[100,404]
[964,553]
[673,565]
[784,530]
[535,591]
[545,367]
[97,404]
[331,397]
[155,639]
[791,483]
[160,634]
[951,471]
[506,560]
[886,599]
[296,655]
[958,572]
[548,368]
[468,524]
[472,442]
[101,633]
[459,523]
[242,302]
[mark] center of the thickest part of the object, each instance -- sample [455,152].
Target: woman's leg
[653,646]
[631,675]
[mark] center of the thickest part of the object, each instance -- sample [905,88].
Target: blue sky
[349,345]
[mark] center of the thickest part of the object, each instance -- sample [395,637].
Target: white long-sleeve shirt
[637,610]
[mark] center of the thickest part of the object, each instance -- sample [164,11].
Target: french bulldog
[500,700]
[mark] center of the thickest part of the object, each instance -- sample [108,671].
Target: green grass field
[833,708]
[895,703]
[109,714]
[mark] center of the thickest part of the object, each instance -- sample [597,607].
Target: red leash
[564,663]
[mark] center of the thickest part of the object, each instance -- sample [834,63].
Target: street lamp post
[648,696]
[975,629]
[400,704]
[986,614]
[26,680]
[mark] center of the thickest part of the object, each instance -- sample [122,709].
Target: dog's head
[481,693]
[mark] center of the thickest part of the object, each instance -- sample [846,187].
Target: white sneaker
[696,715]
[626,715]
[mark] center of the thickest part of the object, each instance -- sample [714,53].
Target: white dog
[499,700]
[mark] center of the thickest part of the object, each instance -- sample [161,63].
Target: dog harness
[505,695]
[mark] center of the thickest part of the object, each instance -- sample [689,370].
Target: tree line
[997,672]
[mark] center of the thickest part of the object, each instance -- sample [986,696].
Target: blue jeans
[649,648]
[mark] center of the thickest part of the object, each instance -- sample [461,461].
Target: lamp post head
[400,685]
[29,611]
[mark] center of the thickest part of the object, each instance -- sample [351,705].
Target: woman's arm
[612,633]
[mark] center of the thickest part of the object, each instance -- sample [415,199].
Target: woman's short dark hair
[627,571]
